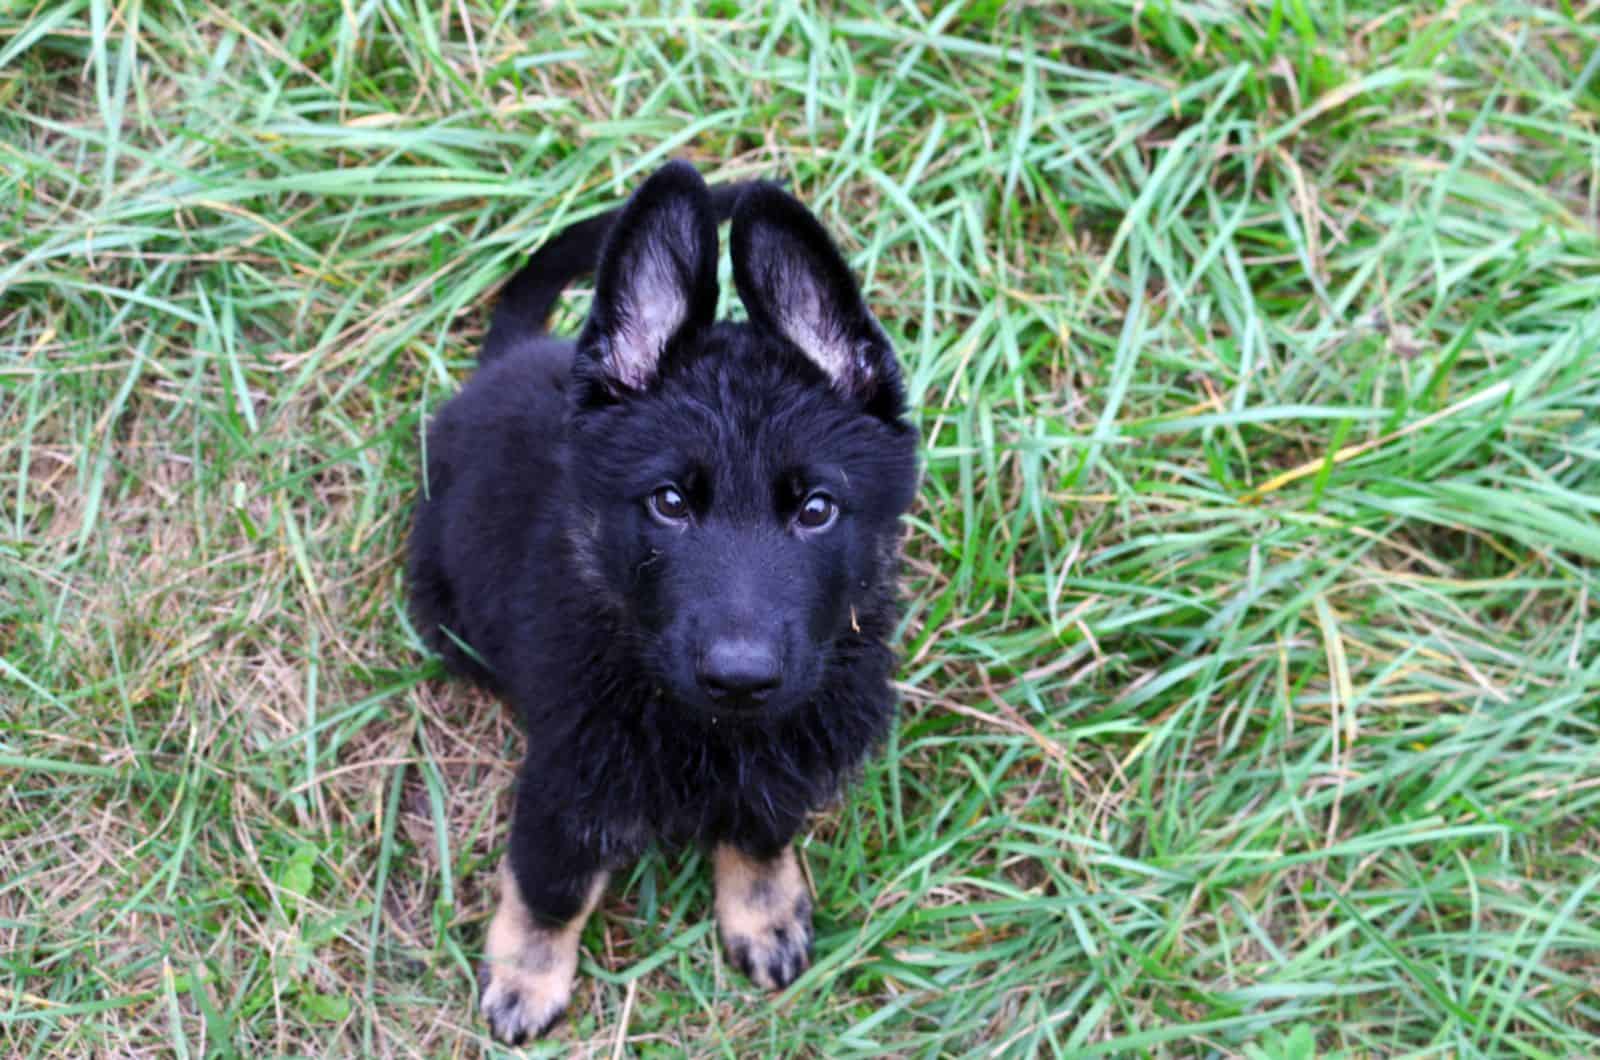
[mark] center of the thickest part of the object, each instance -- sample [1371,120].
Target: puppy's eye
[817,512]
[669,505]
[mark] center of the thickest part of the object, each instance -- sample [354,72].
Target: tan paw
[528,968]
[519,1004]
[764,913]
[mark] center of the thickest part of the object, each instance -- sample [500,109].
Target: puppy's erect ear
[657,277]
[795,284]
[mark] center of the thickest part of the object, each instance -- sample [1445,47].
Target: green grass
[1252,649]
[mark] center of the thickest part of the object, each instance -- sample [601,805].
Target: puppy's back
[494,456]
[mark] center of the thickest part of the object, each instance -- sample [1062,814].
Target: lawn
[1251,650]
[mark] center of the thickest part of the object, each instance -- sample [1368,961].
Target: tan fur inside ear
[652,300]
[805,321]
[529,967]
[764,913]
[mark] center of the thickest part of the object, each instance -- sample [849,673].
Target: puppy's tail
[527,299]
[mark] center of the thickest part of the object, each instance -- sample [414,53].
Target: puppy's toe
[764,912]
[529,967]
[520,1004]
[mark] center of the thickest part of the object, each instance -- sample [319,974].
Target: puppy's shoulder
[519,388]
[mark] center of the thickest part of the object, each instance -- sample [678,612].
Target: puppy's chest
[645,779]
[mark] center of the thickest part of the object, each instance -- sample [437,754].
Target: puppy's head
[741,482]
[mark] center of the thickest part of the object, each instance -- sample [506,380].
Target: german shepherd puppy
[671,546]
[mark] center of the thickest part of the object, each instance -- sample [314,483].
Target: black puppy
[672,548]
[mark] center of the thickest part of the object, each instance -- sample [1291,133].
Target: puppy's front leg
[548,888]
[764,911]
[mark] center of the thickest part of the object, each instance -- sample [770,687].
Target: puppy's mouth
[725,716]
[722,715]
[725,720]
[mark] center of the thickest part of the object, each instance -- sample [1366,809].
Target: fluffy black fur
[548,565]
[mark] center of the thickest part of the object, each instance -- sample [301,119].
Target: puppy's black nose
[736,668]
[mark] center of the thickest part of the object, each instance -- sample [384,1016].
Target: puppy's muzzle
[740,672]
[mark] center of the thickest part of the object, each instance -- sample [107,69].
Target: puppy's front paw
[764,911]
[521,1003]
[529,967]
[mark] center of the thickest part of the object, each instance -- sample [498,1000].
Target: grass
[1252,639]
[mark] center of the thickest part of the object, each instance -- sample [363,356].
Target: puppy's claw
[530,967]
[519,1005]
[765,916]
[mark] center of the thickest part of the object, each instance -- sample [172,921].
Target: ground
[1252,635]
